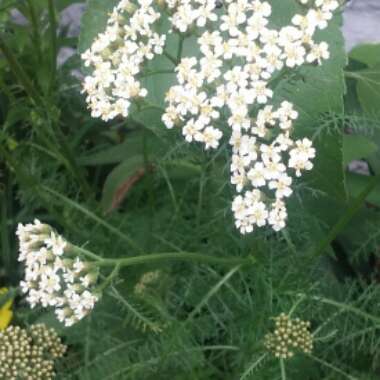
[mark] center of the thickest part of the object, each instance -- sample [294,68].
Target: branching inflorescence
[64,276]
[229,84]
[117,56]
[54,277]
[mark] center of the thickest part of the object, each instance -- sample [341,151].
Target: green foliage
[132,187]
[356,147]
[305,91]
[369,54]
[94,21]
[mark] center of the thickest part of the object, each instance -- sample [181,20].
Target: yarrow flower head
[54,276]
[290,335]
[29,354]
[228,83]
[117,55]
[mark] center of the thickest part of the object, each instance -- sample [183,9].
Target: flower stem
[187,256]
[53,41]
[35,30]
[84,252]
[157,257]
[283,370]
[109,279]
[20,74]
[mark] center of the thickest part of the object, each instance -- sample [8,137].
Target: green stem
[247,374]
[211,293]
[92,216]
[27,181]
[53,41]
[149,187]
[85,252]
[283,371]
[186,256]
[294,307]
[332,367]
[72,164]
[36,38]
[347,307]
[8,92]
[157,257]
[202,182]
[109,279]
[20,74]
[289,242]
[346,217]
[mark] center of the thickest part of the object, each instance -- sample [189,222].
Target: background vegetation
[132,186]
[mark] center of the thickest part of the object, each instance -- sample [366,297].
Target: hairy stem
[53,41]
[36,38]
[186,256]
[283,370]
[19,73]
[158,257]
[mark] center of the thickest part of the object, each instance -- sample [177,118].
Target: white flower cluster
[227,85]
[52,277]
[187,12]
[116,57]
[231,82]
[264,168]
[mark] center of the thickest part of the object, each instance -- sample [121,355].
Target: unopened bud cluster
[29,354]
[289,336]
[54,276]
[225,87]
[147,279]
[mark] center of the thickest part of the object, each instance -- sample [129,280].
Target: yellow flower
[5,311]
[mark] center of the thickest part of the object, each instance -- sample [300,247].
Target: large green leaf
[131,146]
[318,91]
[120,180]
[356,147]
[157,85]
[356,183]
[368,54]
[94,21]
[368,89]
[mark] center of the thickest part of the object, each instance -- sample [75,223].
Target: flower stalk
[63,276]
[180,256]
